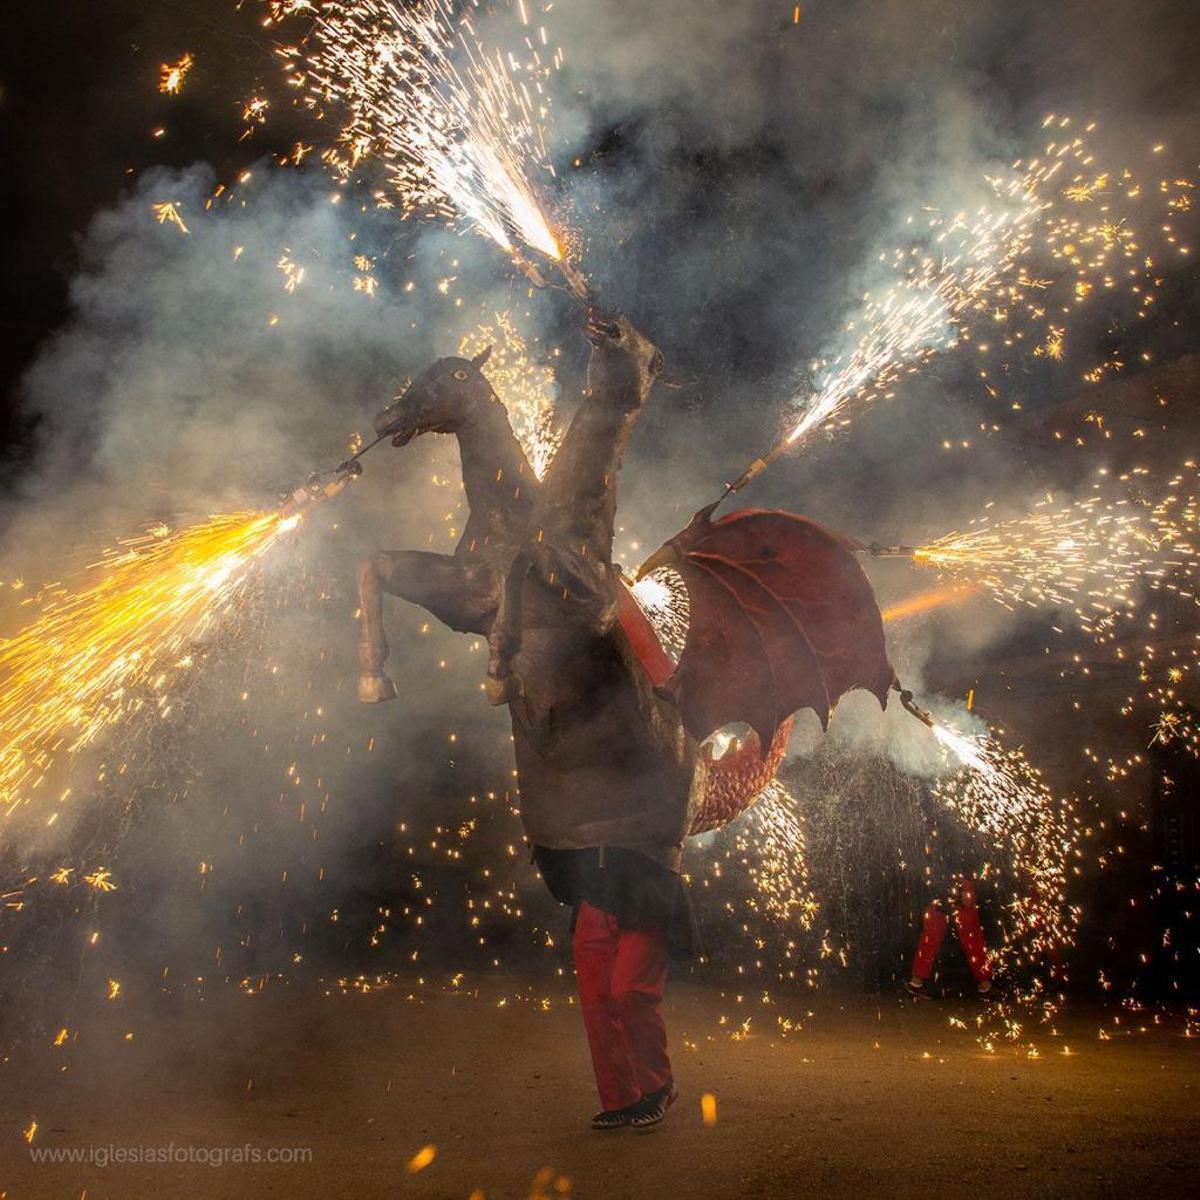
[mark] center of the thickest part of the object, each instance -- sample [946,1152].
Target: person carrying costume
[607,774]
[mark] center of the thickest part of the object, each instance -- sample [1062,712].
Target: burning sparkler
[459,129]
[1088,557]
[937,290]
[1001,796]
[99,653]
[976,267]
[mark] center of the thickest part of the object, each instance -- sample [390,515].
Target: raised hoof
[501,689]
[375,689]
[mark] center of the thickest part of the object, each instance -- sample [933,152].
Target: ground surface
[868,1099]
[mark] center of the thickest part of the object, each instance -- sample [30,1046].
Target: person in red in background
[970,937]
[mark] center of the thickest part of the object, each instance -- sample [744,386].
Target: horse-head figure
[442,399]
[625,362]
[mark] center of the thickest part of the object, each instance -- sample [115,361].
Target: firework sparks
[1087,558]
[168,210]
[927,601]
[111,648]
[964,264]
[254,110]
[1177,727]
[526,387]
[975,267]
[1052,347]
[778,866]
[1001,796]
[172,75]
[965,749]
[928,309]
[458,129]
[663,597]
[767,847]
[292,272]
[1120,565]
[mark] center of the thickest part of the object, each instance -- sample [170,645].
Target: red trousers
[970,937]
[620,975]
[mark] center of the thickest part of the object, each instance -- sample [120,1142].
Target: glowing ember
[1177,727]
[172,75]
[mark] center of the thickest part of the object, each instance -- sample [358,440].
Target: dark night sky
[78,104]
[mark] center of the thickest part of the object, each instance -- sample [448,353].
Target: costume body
[606,729]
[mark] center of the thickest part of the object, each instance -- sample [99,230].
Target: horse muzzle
[399,425]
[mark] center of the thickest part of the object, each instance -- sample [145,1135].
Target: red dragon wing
[782,618]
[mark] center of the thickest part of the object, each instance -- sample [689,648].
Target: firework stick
[576,283]
[756,468]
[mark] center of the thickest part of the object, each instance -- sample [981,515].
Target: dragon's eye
[460,374]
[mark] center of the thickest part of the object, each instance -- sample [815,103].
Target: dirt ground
[870,1098]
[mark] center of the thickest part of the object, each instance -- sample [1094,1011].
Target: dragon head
[438,399]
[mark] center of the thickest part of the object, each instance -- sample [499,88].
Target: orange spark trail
[931,598]
[111,647]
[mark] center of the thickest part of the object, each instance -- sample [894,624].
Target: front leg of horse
[374,684]
[504,639]
[585,588]
[464,597]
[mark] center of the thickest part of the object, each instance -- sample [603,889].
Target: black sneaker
[652,1108]
[615,1118]
[917,989]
